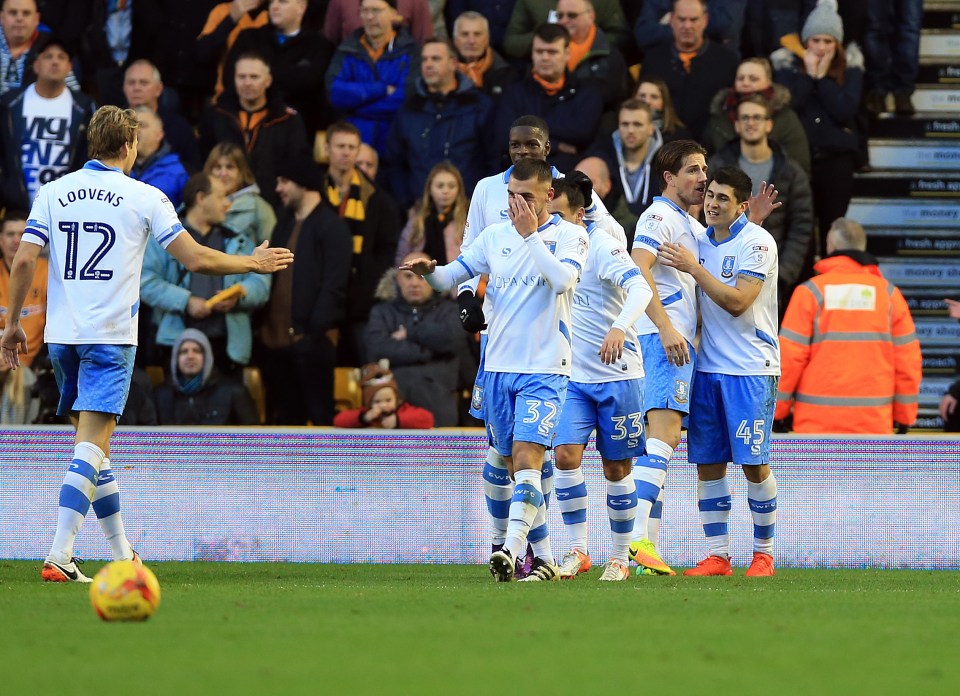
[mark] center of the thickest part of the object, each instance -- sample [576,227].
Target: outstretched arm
[197,258]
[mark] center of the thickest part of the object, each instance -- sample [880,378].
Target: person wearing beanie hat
[301,322]
[197,394]
[824,20]
[383,406]
[302,170]
[826,84]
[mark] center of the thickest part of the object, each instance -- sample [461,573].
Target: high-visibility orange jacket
[849,350]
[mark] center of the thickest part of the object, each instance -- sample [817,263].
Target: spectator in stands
[224,23]
[629,153]
[142,86]
[371,71]
[195,393]
[436,223]
[298,59]
[157,164]
[693,67]
[269,130]
[114,35]
[249,214]
[445,118]
[173,29]
[891,45]
[417,330]
[755,76]
[368,161]
[42,128]
[571,107]
[656,95]
[299,329]
[597,170]
[826,86]
[382,405]
[593,59]
[180,299]
[34,313]
[496,12]
[19,43]
[476,58]
[374,222]
[530,14]
[725,22]
[342,19]
[764,160]
[850,355]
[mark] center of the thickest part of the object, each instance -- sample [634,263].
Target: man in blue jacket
[446,118]
[368,77]
[157,164]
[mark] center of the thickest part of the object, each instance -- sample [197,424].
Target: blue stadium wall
[332,496]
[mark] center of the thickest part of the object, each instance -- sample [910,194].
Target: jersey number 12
[89,271]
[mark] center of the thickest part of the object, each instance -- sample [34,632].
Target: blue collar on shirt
[673,205]
[554,219]
[591,226]
[99,166]
[735,229]
[506,174]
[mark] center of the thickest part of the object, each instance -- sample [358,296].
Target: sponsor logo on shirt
[505,251]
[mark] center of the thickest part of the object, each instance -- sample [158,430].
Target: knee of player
[616,470]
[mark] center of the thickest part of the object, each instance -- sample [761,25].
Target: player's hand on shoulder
[271,259]
[612,348]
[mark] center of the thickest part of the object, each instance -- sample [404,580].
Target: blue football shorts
[92,377]
[476,398]
[732,419]
[613,409]
[522,407]
[665,384]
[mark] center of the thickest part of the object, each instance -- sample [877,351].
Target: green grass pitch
[225,628]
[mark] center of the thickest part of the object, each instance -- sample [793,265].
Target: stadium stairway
[910,202]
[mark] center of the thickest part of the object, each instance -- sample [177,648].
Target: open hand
[677,256]
[612,348]
[421,267]
[522,216]
[13,343]
[271,259]
[764,203]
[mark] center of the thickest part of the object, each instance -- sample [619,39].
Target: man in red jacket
[850,356]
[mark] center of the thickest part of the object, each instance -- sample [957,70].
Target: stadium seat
[254,384]
[346,388]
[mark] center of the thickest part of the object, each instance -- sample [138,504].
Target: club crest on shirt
[477,400]
[726,270]
[552,246]
[681,391]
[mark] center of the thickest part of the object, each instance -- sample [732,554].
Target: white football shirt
[664,221]
[529,331]
[598,304]
[97,221]
[744,345]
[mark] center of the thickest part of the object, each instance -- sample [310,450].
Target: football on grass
[124,591]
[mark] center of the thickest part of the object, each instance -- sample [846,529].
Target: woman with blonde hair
[656,95]
[249,213]
[436,221]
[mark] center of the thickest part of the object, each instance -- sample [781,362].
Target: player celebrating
[534,263]
[667,329]
[96,222]
[529,138]
[735,390]
[604,394]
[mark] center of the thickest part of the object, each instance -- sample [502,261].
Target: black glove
[900,428]
[471,312]
[784,425]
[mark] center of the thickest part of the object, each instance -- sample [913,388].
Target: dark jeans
[831,180]
[891,45]
[299,382]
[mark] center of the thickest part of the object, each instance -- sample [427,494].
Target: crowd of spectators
[354,131]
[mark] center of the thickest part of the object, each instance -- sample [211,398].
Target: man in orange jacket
[850,355]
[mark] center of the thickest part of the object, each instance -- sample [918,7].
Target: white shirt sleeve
[163,220]
[471,231]
[563,270]
[470,264]
[37,230]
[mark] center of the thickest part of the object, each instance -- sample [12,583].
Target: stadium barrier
[334,496]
